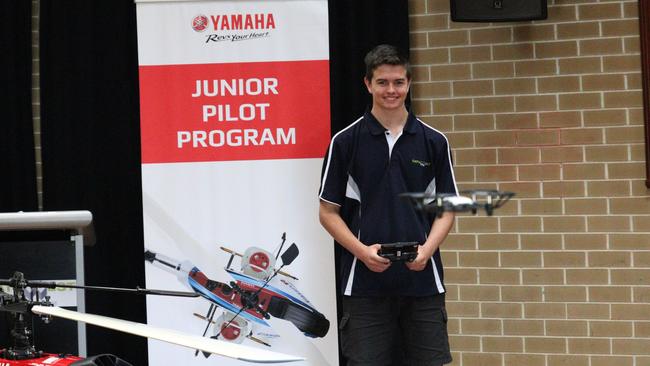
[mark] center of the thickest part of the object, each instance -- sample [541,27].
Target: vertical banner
[235,120]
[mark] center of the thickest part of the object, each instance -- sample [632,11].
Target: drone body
[255,295]
[469,201]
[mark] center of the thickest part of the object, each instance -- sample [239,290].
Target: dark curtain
[17,162]
[91,150]
[355,28]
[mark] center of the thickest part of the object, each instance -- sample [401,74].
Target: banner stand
[235,120]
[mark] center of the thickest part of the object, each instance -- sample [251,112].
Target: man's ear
[367,82]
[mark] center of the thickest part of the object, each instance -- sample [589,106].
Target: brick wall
[553,111]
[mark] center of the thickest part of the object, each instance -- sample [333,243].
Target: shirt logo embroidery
[420,163]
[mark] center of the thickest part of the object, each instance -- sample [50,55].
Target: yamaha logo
[235,27]
[258,21]
[199,23]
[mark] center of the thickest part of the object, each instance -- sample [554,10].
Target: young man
[393,313]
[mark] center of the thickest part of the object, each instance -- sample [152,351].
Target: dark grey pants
[395,331]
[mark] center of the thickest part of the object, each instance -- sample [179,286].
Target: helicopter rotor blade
[236,351]
[137,290]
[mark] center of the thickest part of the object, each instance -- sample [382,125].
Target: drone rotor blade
[236,351]
[230,251]
[254,339]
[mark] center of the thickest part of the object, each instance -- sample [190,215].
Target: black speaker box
[497,10]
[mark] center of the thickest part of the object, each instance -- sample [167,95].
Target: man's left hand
[420,262]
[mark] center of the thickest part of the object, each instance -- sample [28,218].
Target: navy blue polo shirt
[364,177]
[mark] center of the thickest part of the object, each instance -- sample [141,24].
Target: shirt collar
[377,129]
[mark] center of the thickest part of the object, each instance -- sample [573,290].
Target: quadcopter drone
[255,295]
[469,201]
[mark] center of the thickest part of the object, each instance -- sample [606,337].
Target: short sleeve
[445,179]
[334,174]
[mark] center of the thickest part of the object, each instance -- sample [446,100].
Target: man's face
[389,87]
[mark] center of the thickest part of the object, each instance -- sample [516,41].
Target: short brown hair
[385,54]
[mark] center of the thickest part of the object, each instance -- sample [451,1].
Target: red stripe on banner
[234,111]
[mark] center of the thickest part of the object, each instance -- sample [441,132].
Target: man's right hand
[372,260]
